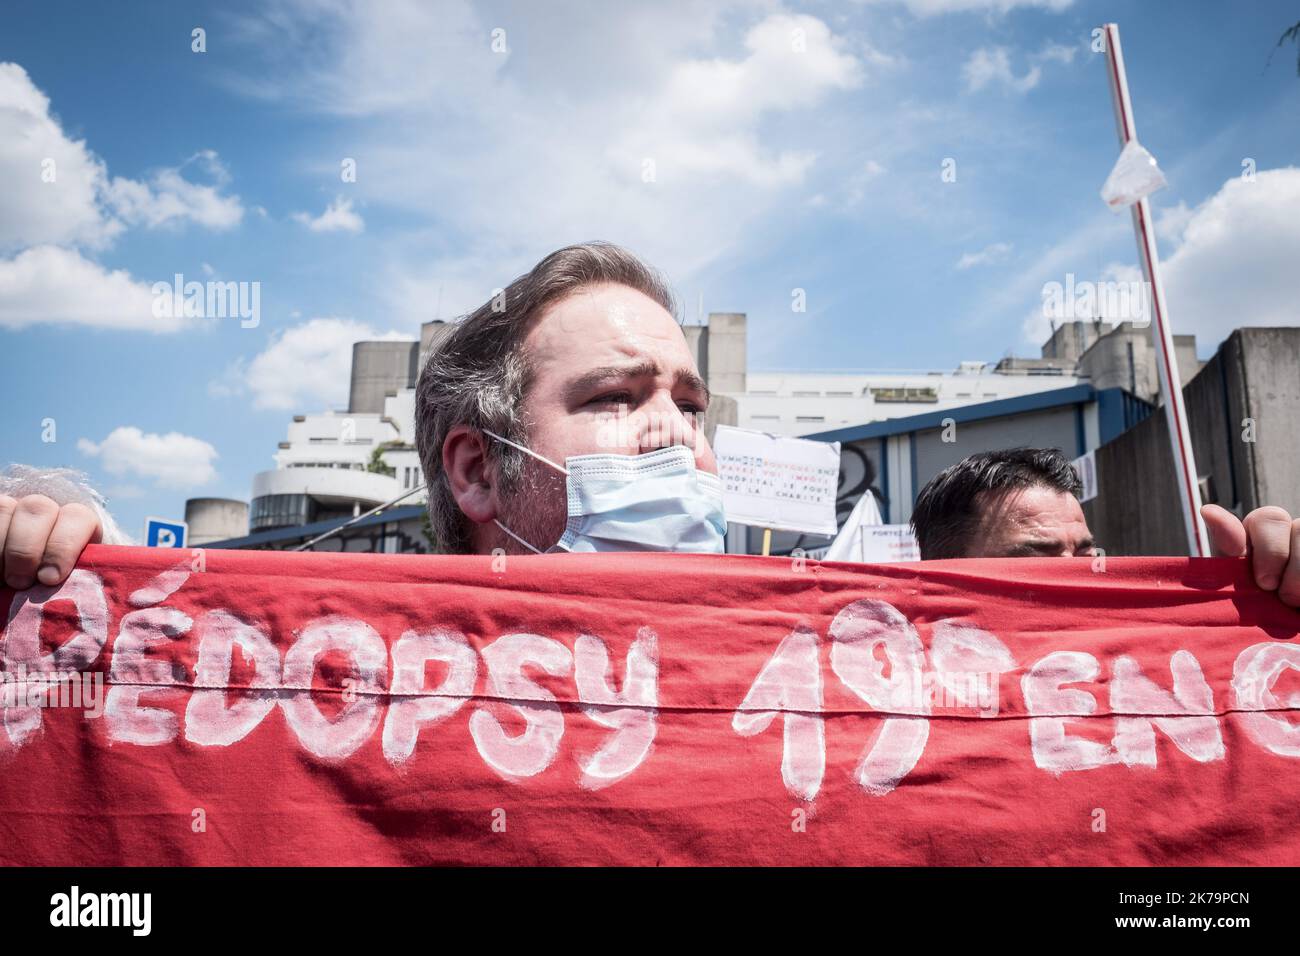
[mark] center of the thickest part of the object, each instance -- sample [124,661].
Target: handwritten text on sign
[770,481]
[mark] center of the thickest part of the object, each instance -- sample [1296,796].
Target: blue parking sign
[161,533]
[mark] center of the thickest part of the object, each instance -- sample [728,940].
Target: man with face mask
[563,414]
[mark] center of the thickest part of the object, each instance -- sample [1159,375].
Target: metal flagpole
[1162,339]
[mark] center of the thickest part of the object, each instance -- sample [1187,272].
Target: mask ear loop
[541,458]
[527,451]
[516,537]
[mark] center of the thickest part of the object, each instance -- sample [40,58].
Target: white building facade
[803,403]
[339,464]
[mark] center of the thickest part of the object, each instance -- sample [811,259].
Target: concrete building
[1242,407]
[893,459]
[379,368]
[1123,357]
[215,519]
[336,465]
[804,403]
[1071,339]
[1242,410]
[1091,385]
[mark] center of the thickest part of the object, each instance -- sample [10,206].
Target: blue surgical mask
[658,501]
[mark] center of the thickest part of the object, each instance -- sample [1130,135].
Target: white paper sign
[876,544]
[887,543]
[769,481]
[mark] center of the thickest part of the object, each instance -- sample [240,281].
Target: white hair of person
[64,486]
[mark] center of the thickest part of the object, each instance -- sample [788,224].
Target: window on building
[806,394]
[280,511]
[810,418]
[896,393]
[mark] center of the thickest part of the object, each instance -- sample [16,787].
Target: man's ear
[464,461]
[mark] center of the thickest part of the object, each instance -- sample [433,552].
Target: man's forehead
[605,325]
[1042,515]
[1033,505]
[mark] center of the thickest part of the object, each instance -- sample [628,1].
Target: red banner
[227,707]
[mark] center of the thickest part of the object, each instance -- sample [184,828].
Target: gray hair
[64,486]
[479,373]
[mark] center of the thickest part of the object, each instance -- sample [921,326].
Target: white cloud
[1231,266]
[856,186]
[59,200]
[339,57]
[703,120]
[169,199]
[172,460]
[989,66]
[929,8]
[986,256]
[55,285]
[305,366]
[1058,52]
[636,129]
[337,217]
[1236,263]
[61,192]
[992,65]
[1172,221]
[32,146]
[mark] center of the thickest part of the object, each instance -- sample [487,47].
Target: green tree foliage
[377,465]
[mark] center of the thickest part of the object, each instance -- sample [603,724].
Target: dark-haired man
[1024,502]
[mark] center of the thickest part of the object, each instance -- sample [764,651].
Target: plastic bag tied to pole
[1136,175]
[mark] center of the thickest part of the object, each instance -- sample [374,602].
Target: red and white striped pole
[1162,339]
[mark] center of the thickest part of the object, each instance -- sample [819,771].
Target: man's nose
[663,425]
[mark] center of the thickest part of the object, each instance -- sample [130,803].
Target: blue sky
[774,170]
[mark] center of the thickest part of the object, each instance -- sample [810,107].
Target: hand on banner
[41,540]
[1268,537]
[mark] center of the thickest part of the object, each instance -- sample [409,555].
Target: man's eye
[690,408]
[612,398]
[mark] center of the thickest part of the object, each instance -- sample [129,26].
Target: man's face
[1031,522]
[611,374]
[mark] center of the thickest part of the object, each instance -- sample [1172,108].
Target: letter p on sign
[161,533]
